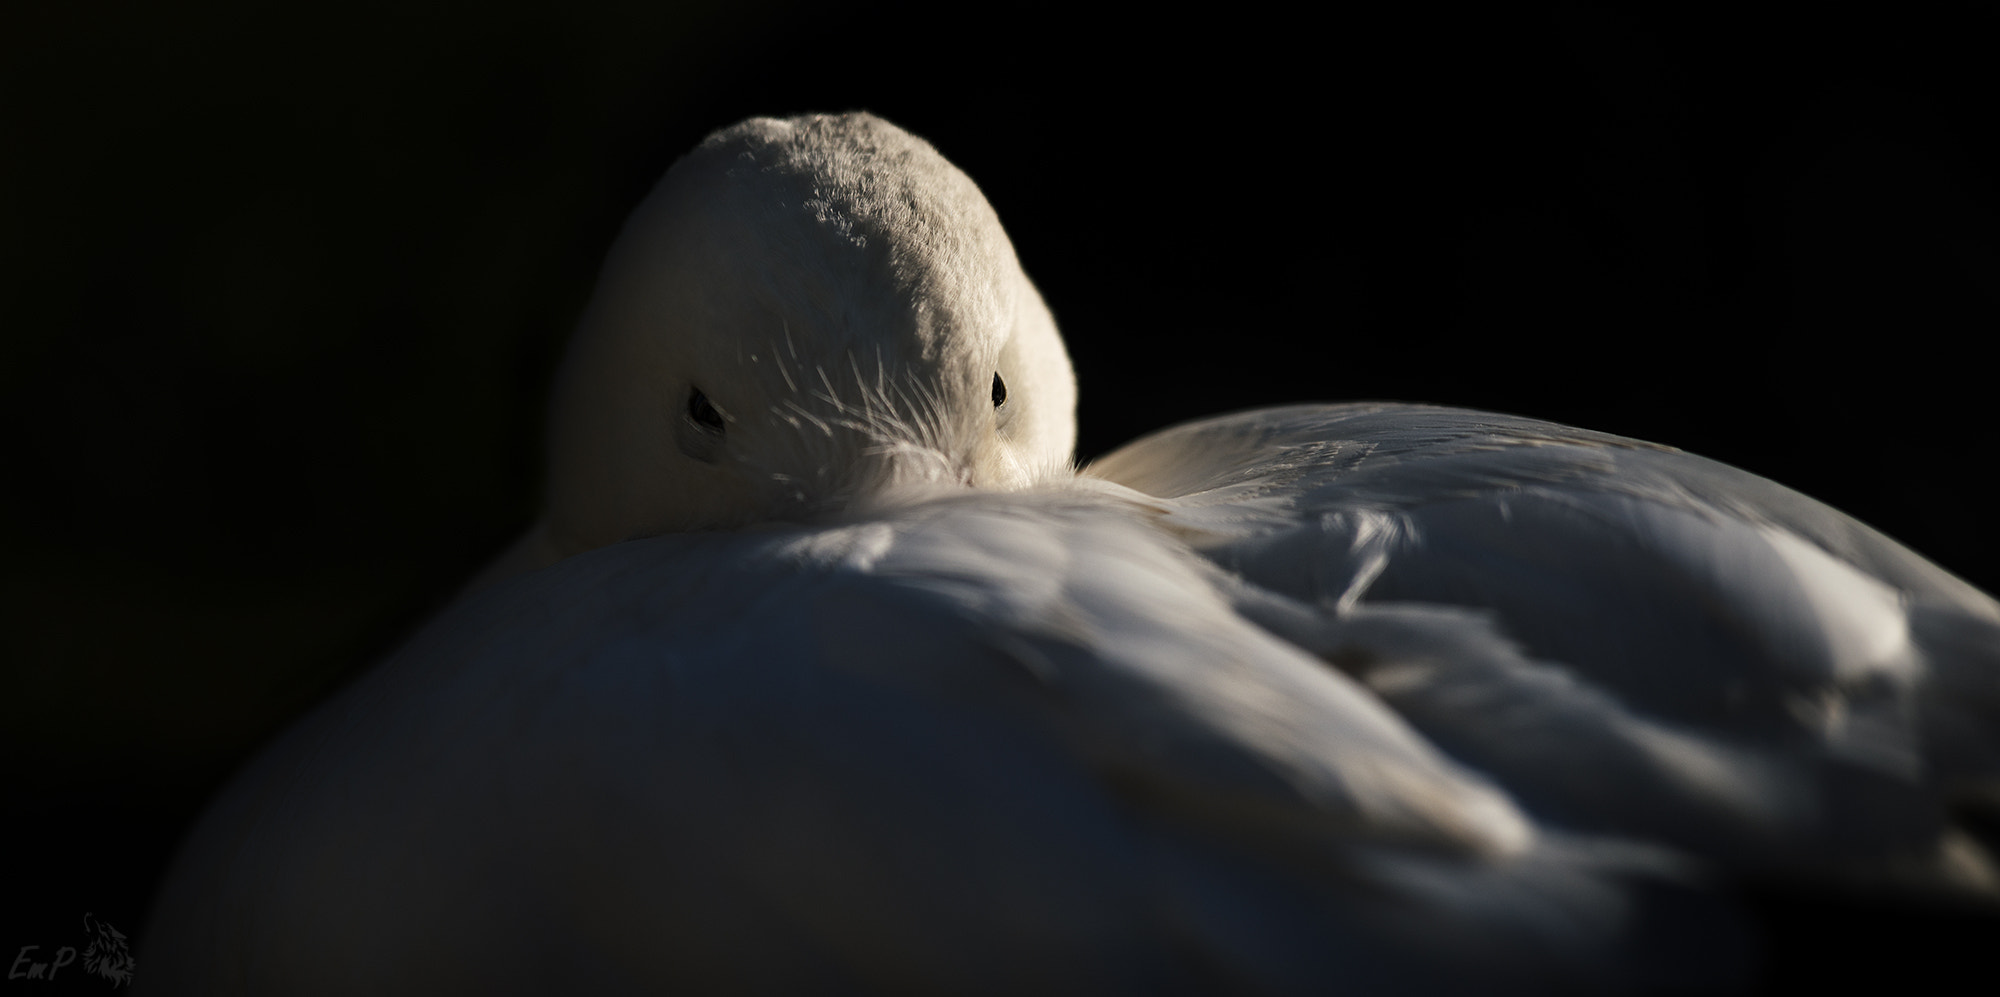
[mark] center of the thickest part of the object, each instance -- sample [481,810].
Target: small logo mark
[106,954]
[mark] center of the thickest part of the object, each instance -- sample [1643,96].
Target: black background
[280,293]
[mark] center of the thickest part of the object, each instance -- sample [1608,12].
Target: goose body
[824,672]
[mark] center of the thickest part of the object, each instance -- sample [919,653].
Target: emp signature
[107,955]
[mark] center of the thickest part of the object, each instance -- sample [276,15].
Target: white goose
[824,672]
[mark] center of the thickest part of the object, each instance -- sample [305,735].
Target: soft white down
[825,672]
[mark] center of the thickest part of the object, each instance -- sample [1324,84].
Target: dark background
[280,293]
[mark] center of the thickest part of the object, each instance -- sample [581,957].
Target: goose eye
[999,390]
[702,413]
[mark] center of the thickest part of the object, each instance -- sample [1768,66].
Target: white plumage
[823,671]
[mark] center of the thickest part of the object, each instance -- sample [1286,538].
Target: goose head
[806,316]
